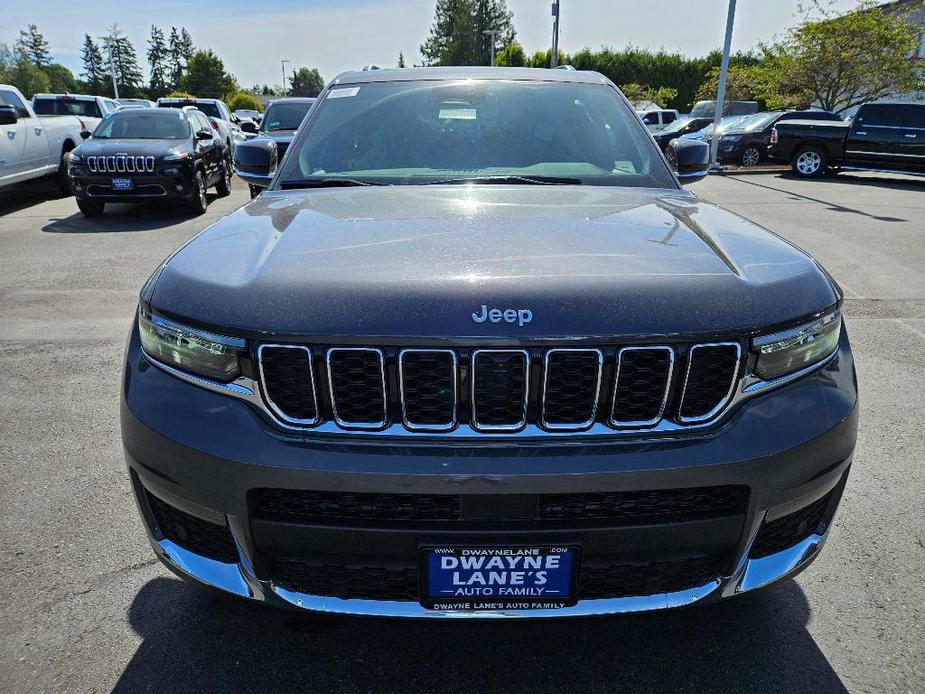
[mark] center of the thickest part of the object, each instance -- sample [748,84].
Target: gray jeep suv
[476,352]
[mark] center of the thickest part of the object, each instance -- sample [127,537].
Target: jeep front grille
[497,391]
[120,164]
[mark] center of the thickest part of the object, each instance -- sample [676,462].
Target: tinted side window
[668,117]
[894,115]
[8,98]
[650,119]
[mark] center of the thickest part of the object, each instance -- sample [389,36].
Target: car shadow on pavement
[121,218]
[198,640]
[22,195]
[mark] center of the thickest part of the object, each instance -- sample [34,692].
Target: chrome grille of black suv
[120,164]
[496,391]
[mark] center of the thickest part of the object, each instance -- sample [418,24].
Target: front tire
[198,202]
[62,179]
[91,208]
[223,187]
[810,161]
[751,156]
[255,191]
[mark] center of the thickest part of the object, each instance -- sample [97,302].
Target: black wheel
[62,179]
[810,161]
[255,191]
[198,202]
[223,187]
[91,208]
[751,156]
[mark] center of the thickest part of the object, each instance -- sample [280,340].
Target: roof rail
[565,67]
[367,68]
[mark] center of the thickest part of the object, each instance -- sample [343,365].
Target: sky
[253,36]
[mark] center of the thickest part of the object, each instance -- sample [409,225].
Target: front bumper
[145,188]
[205,454]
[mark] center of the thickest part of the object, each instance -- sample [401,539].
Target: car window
[426,131]
[668,117]
[8,98]
[202,122]
[60,106]
[650,119]
[141,124]
[210,109]
[893,115]
[284,116]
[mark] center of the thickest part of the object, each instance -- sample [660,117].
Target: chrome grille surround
[732,382]
[597,389]
[411,426]
[474,409]
[311,374]
[345,424]
[120,164]
[616,383]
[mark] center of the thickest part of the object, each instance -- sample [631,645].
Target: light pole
[554,59]
[491,33]
[112,67]
[721,89]
[283,63]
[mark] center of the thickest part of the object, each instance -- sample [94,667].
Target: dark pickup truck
[881,137]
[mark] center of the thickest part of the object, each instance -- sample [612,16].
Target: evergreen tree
[125,60]
[306,82]
[186,45]
[34,45]
[176,63]
[158,56]
[94,72]
[456,36]
[401,59]
[495,16]
[206,77]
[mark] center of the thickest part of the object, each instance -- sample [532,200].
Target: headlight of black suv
[190,349]
[798,348]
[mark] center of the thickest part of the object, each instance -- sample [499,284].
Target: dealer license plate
[498,578]
[123,184]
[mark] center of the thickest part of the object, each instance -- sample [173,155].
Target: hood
[153,148]
[421,260]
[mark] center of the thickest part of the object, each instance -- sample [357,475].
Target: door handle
[38,130]
[11,134]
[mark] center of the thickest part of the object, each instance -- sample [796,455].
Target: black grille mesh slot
[645,578]
[287,377]
[356,386]
[785,532]
[335,580]
[642,379]
[710,373]
[194,534]
[307,506]
[571,388]
[500,388]
[664,505]
[428,384]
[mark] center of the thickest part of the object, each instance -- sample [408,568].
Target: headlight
[797,348]
[199,352]
[176,156]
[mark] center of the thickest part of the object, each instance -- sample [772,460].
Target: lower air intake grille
[711,372]
[570,392]
[287,378]
[194,534]
[785,532]
[648,578]
[499,391]
[307,506]
[357,381]
[335,580]
[641,389]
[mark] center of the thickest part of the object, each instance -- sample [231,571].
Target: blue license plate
[123,184]
[498,578]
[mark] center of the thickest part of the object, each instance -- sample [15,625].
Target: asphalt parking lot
[86,607]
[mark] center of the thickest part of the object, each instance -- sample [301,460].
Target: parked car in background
[220,118]
[746,143]
[144,103]
[145,155]
[243,113]
[680,127]
[705,134]
[89,109]
[281,120]
[656,119]
[706,109]
[880,137]
[33,146]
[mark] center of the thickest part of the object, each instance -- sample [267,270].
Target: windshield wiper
[530,180]
[327,183]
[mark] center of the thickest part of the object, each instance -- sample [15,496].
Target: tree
[206,76]
[94,72]
[456,36]
[244,100]
[643,93]
[176,61]
[60,79]
[158,56]
[125,62]
[512,55]
[16,67]
[306,82]
[34,45]
[837,62]
[401,59]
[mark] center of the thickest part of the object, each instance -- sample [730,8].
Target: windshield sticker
[340,93]
[457,113]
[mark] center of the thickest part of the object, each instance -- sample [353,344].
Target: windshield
[439,131]
[284,116]
[208,108]
[677,126]
[58,106]
[758,122]
[142,124]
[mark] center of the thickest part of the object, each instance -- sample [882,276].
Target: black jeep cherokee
[476,352]
[146,155]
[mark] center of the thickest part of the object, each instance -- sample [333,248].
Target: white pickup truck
[30,146]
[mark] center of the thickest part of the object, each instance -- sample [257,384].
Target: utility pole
[283,63]
[491,33]
[554,60]
[112,67]
[721,90]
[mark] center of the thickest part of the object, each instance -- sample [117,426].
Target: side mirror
[249,126]
[204,134]
[8,115]
[689,158]
[85,134]
[255,161]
